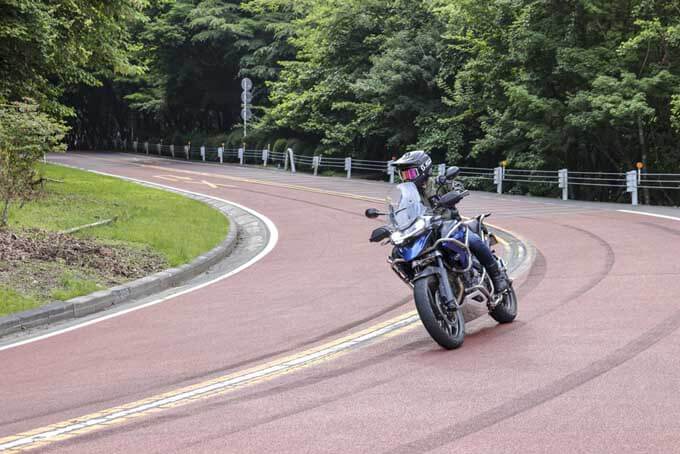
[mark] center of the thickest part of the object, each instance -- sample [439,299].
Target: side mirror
[372,213]
[379,234]
[452,172]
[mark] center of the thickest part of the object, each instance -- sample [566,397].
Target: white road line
[273,239]
[654,215]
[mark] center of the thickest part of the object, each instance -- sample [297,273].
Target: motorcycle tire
[448,330]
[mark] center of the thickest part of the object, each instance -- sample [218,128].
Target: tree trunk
[5,214]
[643,147]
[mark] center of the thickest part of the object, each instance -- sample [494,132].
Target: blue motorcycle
[431,255]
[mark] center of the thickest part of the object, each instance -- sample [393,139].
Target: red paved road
[589,366]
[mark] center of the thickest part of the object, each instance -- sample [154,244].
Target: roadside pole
[498,179]
[292,160]
[632,186]
[563,182]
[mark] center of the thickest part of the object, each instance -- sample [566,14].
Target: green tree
[26,134]
[48,47]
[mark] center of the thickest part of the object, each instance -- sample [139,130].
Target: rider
[416,167]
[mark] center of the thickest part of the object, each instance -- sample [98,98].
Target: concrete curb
[140,288]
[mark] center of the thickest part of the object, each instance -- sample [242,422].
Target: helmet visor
[409,174]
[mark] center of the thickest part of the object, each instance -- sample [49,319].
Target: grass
[72,286]
[177,227]
[11,301]
[148,221]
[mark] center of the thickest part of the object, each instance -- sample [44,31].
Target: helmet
[414,166]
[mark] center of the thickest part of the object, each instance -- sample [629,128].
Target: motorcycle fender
[429,271]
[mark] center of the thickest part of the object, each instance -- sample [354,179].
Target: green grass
[177,227]
[148,221]
[11,301]
[72,286]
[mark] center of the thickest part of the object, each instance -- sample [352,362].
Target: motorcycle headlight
[417,228]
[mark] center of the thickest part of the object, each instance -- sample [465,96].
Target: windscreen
[404,206]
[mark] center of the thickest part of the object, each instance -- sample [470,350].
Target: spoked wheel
[506,310]
[446,327]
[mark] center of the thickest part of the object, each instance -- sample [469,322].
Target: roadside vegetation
[152,230]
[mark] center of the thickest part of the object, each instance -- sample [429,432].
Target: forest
[541,84]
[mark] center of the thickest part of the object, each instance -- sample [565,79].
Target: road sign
[246,99]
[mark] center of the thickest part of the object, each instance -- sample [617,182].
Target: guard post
[563,182]
[632,186]
[498,179]
[292,160]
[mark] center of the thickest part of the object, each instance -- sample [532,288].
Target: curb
[140,288]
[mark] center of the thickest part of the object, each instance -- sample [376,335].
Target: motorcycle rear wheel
[447,328]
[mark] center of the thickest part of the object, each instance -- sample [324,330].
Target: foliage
[46,47]
[588,84]
[26,134]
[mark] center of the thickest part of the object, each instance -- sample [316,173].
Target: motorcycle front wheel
[447,328]
[506,310]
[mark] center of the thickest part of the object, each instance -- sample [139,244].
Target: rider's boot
[500,281]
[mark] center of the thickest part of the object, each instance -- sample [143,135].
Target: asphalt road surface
[314,348]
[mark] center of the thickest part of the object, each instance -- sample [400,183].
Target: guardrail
[564,179]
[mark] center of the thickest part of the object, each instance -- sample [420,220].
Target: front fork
[445,286]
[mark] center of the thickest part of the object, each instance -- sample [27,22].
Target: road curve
[590,365]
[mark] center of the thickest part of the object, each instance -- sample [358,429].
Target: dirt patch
[117,260]
[34,262]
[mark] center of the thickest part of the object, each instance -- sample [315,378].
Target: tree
[26,134]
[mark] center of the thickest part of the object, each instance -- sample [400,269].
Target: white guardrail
[563,179]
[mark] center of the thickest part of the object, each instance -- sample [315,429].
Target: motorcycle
[431,255]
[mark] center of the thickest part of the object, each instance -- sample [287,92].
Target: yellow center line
[228,383]
[207,389]
[267,183]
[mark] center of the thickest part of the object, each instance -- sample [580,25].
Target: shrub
[280,145]
[26,134]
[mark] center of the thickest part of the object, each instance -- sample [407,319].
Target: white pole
[245,117]
[292,160]
[563,178]
[632,186]
[498,179]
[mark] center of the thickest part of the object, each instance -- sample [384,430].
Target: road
[311,349]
